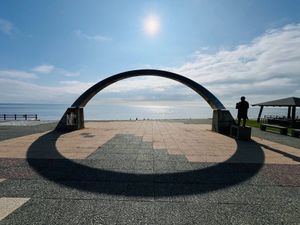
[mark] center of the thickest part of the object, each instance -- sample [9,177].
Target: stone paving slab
[8,131]
[25,122]
[176,138]
[160,192]
[276,137]
[8,205]
[192,176]
[145,212]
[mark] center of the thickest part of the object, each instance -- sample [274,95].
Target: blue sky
[60,48]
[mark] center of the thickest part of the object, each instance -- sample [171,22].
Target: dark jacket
[242,107]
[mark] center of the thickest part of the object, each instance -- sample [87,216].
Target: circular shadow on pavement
[70,173]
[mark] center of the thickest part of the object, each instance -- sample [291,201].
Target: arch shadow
[72,174]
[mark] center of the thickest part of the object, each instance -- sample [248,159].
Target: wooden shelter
[291,103]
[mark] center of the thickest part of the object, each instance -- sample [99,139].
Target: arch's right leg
[222,121]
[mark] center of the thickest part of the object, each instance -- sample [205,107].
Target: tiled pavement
[149,173]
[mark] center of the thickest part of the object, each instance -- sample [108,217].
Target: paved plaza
[147,172]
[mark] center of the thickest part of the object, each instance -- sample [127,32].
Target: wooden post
[259,114]
[293,115]
[289,112]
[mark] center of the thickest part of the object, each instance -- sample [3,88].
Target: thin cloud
[67,73]
[98,38]
[17,74]
[271,55]
[75,87]
[6,27]
[47,69]
[23,91]
[43,69]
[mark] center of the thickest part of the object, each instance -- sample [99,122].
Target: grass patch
[253,123]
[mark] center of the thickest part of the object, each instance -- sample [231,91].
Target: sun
[151,25]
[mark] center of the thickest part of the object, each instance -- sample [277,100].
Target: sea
[106,111]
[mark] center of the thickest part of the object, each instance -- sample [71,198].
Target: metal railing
[18,117]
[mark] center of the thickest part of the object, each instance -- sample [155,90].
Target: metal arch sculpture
[73,118]
[91,92]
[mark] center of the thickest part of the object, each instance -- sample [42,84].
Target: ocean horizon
[112,111]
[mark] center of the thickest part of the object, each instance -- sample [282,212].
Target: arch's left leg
[73,119]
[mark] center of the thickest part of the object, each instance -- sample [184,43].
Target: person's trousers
[244,121]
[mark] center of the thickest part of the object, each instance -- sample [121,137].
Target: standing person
[242,108]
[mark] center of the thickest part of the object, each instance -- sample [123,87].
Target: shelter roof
[291,101]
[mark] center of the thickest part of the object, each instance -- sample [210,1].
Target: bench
[296,132]
[283,130]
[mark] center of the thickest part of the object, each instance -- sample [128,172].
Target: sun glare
[151,25]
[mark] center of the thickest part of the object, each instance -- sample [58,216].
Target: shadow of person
[285,154]
[82,177]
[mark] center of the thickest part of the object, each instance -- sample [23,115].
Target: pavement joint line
[173,183]
[9,205]
[103,199]
[237,203]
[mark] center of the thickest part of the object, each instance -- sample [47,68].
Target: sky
[52,51]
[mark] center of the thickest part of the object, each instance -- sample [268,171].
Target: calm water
[125,112]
